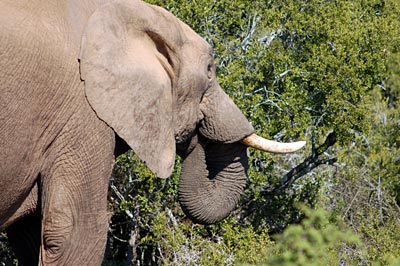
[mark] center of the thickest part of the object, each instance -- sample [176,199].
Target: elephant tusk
[262,144]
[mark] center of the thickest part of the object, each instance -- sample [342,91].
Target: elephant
[83,81]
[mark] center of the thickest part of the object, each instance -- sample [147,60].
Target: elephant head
[152,79]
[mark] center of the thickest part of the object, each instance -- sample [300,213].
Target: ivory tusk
[262,144]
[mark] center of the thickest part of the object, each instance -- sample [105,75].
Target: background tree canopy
[324,71]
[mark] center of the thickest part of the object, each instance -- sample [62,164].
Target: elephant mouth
[185,145]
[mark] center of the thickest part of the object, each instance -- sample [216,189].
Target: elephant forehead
[192,37]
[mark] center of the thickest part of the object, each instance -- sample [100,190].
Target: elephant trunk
[214,172]
[212,180]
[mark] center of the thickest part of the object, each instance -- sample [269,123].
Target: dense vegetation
[325,71]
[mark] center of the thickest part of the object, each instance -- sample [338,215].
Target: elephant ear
[126,65]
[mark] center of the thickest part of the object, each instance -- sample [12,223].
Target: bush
[319,240]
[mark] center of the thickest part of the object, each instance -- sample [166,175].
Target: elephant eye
[210,71]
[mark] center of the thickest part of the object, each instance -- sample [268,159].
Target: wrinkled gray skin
[77,79]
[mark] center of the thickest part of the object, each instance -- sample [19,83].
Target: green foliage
[136,197]
[320,239]
[6,255]
[366,191]
[149,228]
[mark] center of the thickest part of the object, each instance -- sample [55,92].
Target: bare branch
[289,178]
[305,167]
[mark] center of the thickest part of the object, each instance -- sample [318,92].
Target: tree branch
[305,167]
[289,178]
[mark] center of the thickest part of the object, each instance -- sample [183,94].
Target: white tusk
[262,144]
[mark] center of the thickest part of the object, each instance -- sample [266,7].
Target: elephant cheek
[212,180]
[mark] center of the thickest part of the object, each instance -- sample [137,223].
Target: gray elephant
[81,80]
